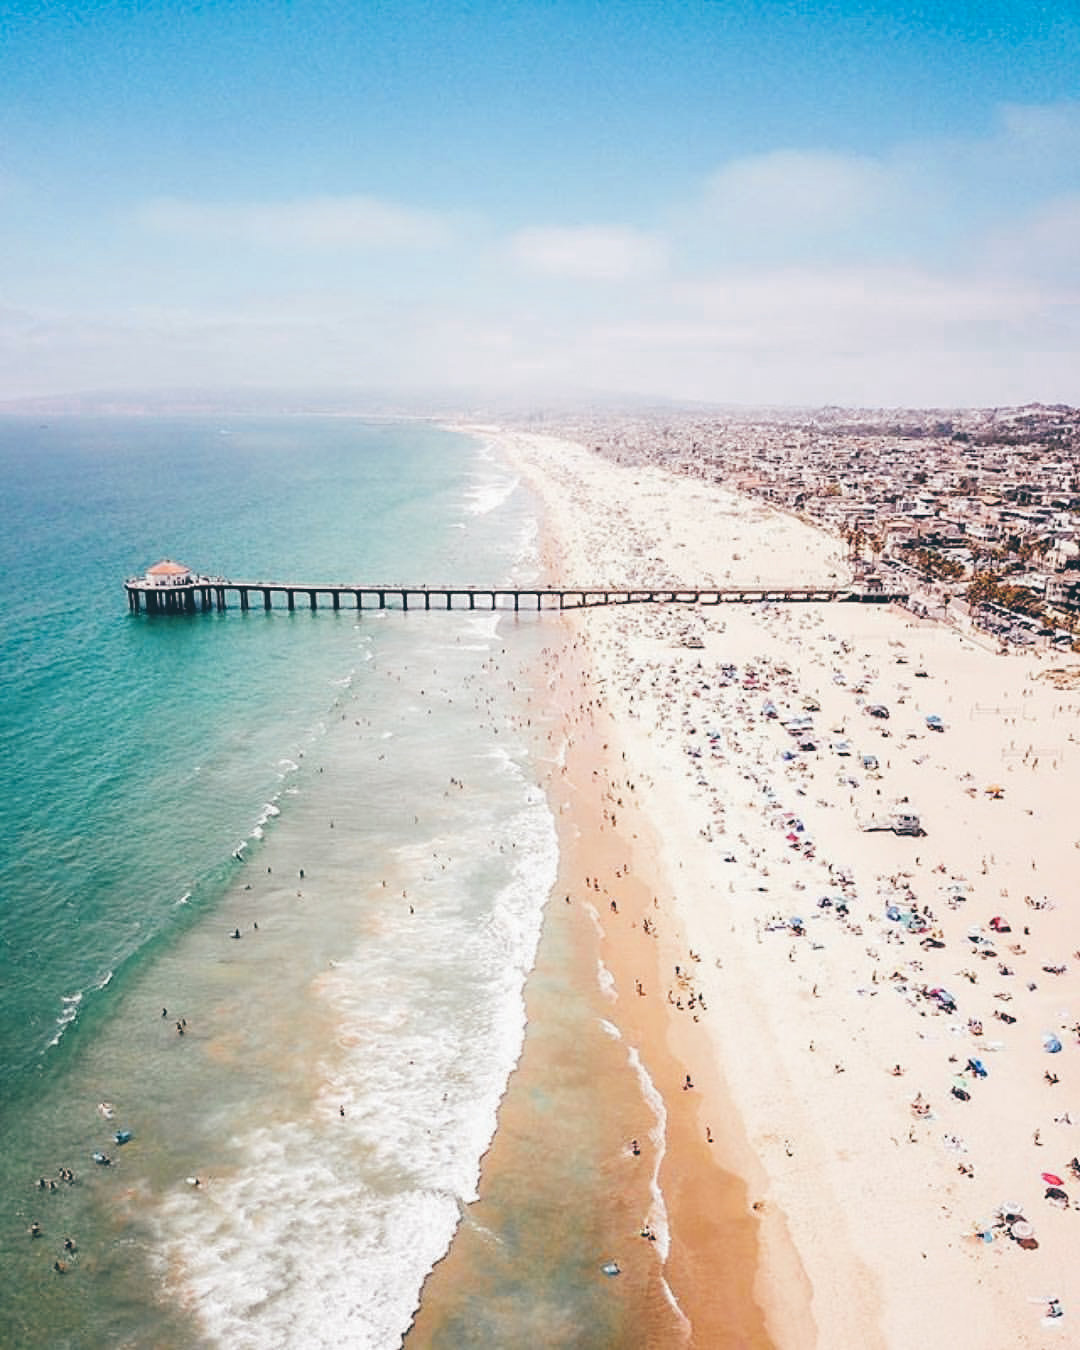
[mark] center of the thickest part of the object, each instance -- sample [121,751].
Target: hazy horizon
[867,206]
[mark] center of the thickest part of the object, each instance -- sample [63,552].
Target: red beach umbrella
[1052,1180]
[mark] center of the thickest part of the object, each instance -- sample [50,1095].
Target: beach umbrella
[1051,1044]
[1052,1180]
[1021,1230]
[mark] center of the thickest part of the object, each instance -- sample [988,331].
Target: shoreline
[825,1032]
[684,1185]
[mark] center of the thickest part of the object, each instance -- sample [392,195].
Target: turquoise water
[340,1065]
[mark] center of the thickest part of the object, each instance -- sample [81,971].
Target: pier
[183,592]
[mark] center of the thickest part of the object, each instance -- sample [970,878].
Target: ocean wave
[69,1011]
[657,1218]
[325,1234]
[298,1250]
[487,496]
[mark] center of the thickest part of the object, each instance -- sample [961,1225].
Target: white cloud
[350,222]
[590,252]
[1045,242]
[799,189]
[945,271]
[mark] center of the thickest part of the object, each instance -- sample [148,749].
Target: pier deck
[208,593]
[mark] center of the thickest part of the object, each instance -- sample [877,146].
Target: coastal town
[976,512]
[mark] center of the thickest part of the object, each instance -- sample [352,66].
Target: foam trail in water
[606,981]
[68,1014]
[326,1231]
[657,1217]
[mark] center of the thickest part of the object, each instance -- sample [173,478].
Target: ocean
[356,795]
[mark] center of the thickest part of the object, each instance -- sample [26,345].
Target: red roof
[167,568]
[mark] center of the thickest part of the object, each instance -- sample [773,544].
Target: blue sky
[741,202]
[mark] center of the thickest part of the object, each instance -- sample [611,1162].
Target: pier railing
[208,593]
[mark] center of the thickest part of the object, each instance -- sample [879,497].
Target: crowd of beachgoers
[860,942]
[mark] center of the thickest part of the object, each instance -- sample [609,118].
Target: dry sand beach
[866,1042]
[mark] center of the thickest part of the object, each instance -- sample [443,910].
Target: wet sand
[562,1191]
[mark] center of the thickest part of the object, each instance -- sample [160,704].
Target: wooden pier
[197,593]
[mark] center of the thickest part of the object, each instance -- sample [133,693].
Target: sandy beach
[865,1041]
